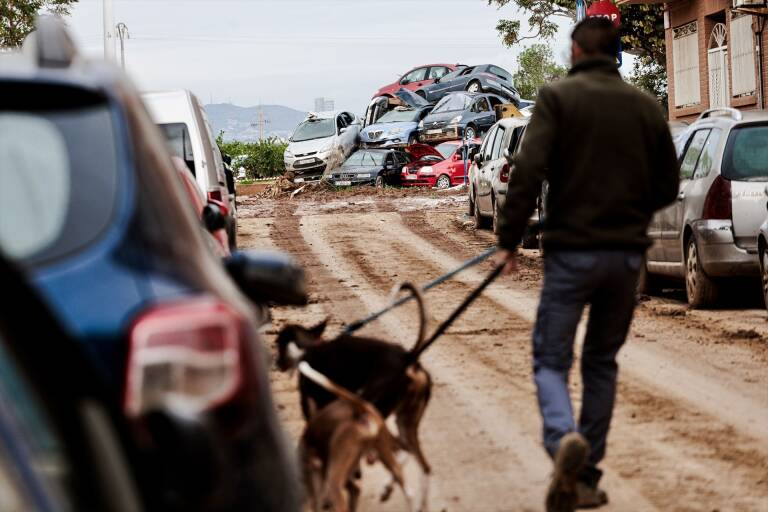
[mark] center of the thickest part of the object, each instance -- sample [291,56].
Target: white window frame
[686,65]
[742,52]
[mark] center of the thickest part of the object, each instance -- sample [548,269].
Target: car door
[485,116]
[487,169]
[672,221]
[415,78]
[475,170]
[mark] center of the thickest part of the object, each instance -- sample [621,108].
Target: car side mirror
[478,158]
[268,277]
[214,218]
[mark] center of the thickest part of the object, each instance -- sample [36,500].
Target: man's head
[594,37]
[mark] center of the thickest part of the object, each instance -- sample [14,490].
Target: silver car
[490,172]
[320,144]
[710,232]
[762,257]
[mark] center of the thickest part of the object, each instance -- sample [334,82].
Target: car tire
[443,181]
[700,289]
[764,274]
[379,183]
[470,132]
[474,86]
[480,221]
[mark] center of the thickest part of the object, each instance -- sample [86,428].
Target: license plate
[305,161]
[343,183]
[298,180]
[410,177]
[434,132]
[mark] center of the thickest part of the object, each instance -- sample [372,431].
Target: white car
[320,144]
[183,121]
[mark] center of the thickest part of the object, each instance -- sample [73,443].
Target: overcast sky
[288,52]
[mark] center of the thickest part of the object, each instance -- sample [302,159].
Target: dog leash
[459,310]
[354,326]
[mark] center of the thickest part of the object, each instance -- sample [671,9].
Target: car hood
[410,98]
[387,127]
[419,151]
[309,146]
[442,116]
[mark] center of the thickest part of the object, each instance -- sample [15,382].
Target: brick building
[716,55]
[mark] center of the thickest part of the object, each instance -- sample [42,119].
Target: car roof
[728,117]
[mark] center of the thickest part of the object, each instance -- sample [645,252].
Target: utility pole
[261,122]
[123,34]
[109,30]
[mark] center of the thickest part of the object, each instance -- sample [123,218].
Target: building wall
[684,11]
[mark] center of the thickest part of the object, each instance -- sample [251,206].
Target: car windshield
[365,159]
[58,178]
[746,155]
[397,116]
[453,102]
[314,129]
[446,149]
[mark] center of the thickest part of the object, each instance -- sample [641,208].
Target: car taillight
[504,174]
[717,204]
[214,195]
[186,353]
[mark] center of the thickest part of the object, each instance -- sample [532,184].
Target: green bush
[262,159]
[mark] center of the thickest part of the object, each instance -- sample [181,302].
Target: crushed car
[394,121]
[418,77]
[459,115]
[371,166]
[444,172]
[320,144]
[483,78]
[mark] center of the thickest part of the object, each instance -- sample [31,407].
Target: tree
[537,67]
[642,33]
[260,159]
[17,17]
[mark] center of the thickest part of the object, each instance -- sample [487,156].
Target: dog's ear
[317,331]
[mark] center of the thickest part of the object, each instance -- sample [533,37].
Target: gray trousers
[607,281]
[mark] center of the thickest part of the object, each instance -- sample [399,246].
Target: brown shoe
[562,495]
[590,497]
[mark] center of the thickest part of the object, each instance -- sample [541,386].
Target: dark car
[459,115]
[92,209]
[371,166]
[482,78]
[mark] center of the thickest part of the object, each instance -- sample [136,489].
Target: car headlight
[364,175]
[455,120]
[426,170]
[421,124]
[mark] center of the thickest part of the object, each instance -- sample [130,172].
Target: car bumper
[718,252]
[385,143]
[415,180]
[306,169]
[348,182]
[442,134]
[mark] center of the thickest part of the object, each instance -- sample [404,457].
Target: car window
[708,154]
[466,71]
[446,149]
[495,101]
[58,177]
[364,158]
[520,139]
[692,153]
[437,72]
[450,76]
[340,122]
[497,143]
[746,153]
[314,129]
[501,73]
[416,75]
[481,105]
[177,135]
[489,142]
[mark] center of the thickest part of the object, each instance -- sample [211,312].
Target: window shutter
[742,56]
[685,61]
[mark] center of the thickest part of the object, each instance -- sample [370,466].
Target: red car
[416,78]
[445,173]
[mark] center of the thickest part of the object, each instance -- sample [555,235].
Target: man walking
[606,151]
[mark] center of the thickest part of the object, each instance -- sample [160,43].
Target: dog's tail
[327,384]
[416,291]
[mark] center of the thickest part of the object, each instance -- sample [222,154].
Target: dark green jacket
[606,151]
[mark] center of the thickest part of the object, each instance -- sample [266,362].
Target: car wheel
[764,273]
[443,181]
[699,287]
[379,181]
[470,132]
[480,221]
[471,205]
[474,86]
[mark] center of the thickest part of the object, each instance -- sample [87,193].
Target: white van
[181,117]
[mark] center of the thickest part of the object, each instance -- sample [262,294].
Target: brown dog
[384,374]
[334,441]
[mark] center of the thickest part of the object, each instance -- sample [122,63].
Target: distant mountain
[242,123]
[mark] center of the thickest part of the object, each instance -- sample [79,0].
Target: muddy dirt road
[690,430]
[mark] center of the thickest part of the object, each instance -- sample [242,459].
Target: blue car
[397,127]
[91,209]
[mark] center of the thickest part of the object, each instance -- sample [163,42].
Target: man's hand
[508,258]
